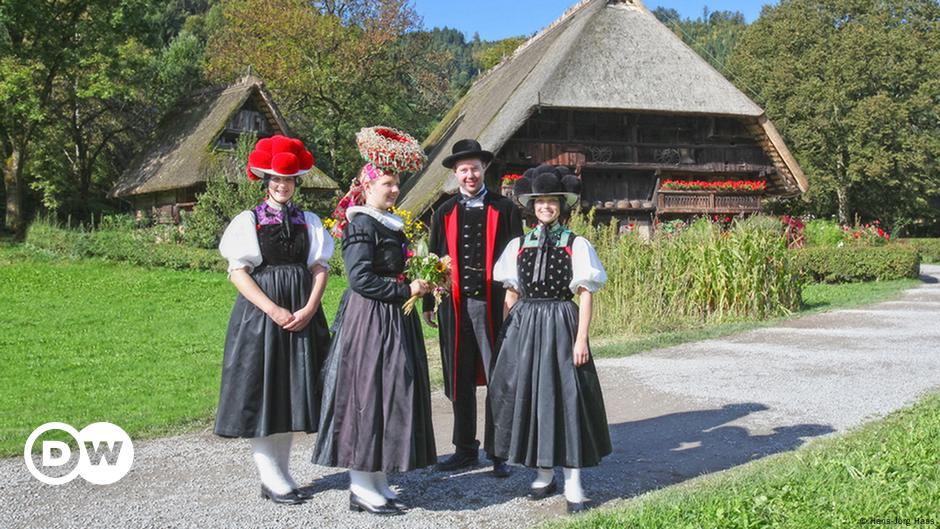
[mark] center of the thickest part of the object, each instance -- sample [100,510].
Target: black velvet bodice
[276,249]
[558,274]
[374,257]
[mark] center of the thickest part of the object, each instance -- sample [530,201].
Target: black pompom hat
[548,180]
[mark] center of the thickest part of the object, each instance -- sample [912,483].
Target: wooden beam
[781,148]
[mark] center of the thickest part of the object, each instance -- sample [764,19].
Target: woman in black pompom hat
[548,410]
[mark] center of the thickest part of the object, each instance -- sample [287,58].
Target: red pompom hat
[279,156]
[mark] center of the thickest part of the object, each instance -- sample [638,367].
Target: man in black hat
[472,227]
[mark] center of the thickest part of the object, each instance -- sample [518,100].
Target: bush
[216,207]
[929,249]
[118,221]
[160,246]
[151,248]
[229,192]
[691,277]
[821,232]
[849,264]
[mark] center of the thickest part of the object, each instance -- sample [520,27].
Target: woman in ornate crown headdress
[376,415]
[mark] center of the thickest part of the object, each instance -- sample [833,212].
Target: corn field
[697,276]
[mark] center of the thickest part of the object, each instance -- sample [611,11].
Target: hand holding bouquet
[424,265]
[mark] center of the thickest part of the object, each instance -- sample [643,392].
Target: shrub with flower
[672,227]
[425,265]
[723,221]
[794,230]
[737,186]
[865,235]
[627,228]
[414,228]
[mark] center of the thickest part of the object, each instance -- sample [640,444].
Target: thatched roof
[601,54]
[185,139]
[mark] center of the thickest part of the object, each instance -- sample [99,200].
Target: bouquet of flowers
[425,265]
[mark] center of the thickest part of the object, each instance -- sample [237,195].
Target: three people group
[507,322]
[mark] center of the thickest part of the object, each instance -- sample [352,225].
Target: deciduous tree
[854,86]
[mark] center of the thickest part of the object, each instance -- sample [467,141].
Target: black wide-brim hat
[545,181]
[465,149]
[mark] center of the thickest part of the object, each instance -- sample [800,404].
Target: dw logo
[105,454]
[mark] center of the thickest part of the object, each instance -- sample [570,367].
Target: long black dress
[270,375]
[546,411]
[376,413]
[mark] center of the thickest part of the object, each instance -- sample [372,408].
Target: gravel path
[675,413]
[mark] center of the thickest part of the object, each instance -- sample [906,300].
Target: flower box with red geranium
[726,186]
[507,182]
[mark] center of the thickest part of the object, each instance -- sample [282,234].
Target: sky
[498,19]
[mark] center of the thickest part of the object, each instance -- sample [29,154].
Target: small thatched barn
[169,174]
[610,91]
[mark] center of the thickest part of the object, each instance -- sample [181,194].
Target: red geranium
[741,186]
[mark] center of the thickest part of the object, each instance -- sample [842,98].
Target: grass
[87,340]
[883,473]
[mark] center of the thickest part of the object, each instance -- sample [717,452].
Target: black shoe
[457,461]
[358,504]
[304,494]
[577,507]
[541,493]
[291,498]
[395,502]
[500,469]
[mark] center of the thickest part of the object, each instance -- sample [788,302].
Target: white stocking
[361,484]
[543,477]
[283,442]
[381,484]
[264,452]
[573,491]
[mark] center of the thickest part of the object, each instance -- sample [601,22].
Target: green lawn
[85,341]
[883,473]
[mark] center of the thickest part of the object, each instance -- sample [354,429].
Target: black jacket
[445,224]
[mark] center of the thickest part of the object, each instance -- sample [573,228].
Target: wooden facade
[623,158]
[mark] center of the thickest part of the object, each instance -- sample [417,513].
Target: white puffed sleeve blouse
[505,270]
[239,242]
[586,268]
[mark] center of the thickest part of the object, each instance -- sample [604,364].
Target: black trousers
[474,352]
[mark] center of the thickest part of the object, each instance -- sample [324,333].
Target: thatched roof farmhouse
[167,176]
[612,92]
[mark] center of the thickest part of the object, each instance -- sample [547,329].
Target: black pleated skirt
[546,411]
[270,377]
[376,412]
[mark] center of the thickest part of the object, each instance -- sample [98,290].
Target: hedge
[848,264]
[137,247]
[153,248]
[929,248]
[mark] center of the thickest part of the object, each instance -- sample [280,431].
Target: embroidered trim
[531,240]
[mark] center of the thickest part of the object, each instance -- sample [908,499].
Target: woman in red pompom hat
[277,335]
